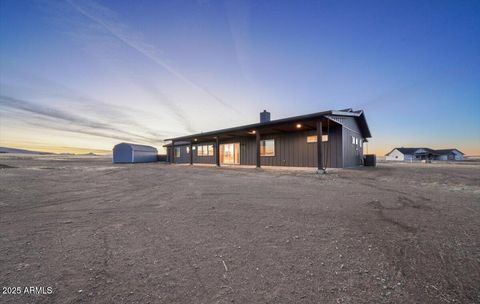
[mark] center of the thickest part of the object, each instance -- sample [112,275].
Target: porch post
[217,151]
[173,152]
[320,164]
[257,139]
[191,153]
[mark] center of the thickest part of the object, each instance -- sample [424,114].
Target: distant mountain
[20,151]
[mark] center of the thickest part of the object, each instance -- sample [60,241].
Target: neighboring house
[449,154]
[412,154]
[290,141]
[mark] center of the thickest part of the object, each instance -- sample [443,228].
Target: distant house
[412,154]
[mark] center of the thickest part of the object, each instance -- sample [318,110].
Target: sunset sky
[80,76]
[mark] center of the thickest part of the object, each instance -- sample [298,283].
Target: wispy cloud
[64,121]
[106,18]
[158,95]
[79,102]
[47,89]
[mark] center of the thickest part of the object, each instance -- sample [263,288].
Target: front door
[230,154]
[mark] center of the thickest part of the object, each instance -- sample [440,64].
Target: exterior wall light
[299,126]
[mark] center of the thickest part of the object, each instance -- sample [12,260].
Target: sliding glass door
[230,154]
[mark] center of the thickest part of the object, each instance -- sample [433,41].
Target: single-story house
[334,137]
[412,154]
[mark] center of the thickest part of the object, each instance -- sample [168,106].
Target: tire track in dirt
[403,200]
[404,203]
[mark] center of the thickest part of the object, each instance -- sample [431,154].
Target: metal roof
[137,147]
[411,151]
[359,115]
[178,143]
[448,151]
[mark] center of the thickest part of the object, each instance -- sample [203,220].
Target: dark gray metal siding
[352,154]
[334,148]
[204,159]
[184,156]
[347,122]
[292,149]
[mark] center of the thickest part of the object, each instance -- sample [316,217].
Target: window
[188,150]
[357,141]
[313,138]
[177,151]
[200,151]
[267,147]
[205,150]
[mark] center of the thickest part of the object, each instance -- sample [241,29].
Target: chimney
[264,116]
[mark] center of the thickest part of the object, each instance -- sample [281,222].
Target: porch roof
[308,122]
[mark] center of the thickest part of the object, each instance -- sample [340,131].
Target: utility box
[370,160]
[162,157]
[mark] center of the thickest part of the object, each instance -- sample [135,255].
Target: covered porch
[281,143]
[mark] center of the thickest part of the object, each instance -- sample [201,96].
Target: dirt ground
[96,232]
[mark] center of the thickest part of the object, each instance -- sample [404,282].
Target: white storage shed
[133,153]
